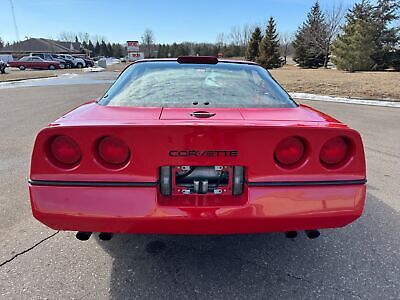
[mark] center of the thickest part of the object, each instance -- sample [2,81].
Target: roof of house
[42,45]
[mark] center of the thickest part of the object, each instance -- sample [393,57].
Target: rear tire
[22,68]
[165,181]
[79,65]
[52,67]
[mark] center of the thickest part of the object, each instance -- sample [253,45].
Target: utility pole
[15,21]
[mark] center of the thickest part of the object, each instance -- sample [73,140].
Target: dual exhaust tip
[85,235]
[311,234]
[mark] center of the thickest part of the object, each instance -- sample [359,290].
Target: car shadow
[361,260]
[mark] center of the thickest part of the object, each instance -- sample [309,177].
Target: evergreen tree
[1,43]
[103,48]
[386,38]
[353,50]
[91,48]
[254,44]
[311,39]
[84,45]
[109,50]
[269,49]
[97,49]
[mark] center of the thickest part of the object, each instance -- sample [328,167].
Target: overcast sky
[171,21]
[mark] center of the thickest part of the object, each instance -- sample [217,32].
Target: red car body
[34,62]
[94,196]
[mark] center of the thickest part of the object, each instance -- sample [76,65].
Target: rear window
[170,84]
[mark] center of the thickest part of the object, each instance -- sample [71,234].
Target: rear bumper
[131,209]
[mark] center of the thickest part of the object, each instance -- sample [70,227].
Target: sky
[170,21]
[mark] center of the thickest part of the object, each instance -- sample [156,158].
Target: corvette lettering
[206,153]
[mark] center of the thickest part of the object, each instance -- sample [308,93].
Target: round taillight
[289,151]
[334,151]
[113,150]
[65,150]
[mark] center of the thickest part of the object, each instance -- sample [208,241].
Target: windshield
[170,84]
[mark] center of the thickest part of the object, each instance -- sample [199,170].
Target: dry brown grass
[366,85]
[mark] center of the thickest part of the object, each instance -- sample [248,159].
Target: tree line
[101,48]
[367,40]
[363,38]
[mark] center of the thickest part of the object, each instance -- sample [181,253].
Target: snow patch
[93,69]
[314,97]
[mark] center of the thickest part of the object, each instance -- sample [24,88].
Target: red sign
[132,46]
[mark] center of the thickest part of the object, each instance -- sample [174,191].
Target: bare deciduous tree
[148,40]
[286,40]
[236,36]
[334,18]
[83,37]
[67,36]
[240,36]
[220,40]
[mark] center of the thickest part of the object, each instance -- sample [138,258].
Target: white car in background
[76,61]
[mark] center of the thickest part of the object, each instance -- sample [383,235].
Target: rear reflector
[289,151]
[211,60]
[334,151]
[65,150]
[113,150]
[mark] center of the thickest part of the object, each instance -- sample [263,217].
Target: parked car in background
[34,62]
[3,67]
[69,63]
[88,62]
[76,62]
[52,57]
[97,58]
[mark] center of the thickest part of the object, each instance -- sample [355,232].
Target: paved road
[359,261]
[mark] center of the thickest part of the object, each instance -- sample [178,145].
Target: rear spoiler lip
[155,183]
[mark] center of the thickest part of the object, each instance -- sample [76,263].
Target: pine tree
[311,39]
[353,50]
[269,49]
[103,48]
[97,49]
[91,48]
[109,50]
[384,14]
[252,50]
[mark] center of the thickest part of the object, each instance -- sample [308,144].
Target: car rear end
[185,170]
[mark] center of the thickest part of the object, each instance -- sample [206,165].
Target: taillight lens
[65,150]
[289,151]
[334,151]
[113,150]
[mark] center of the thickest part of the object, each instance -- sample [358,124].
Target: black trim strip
[92,183]
[307,183]
[153,184]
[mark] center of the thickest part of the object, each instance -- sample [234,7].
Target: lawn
[331,82]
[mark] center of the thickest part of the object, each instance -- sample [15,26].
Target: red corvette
[196,145]
[34,62]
